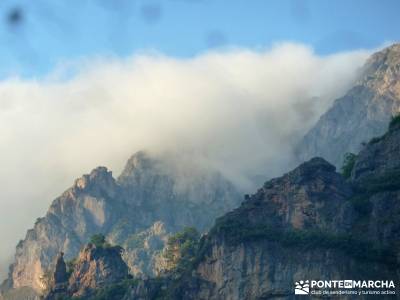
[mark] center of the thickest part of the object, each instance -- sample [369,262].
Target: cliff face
[361,114]
[309,224]
[94,268]
[72,218]
[137,211]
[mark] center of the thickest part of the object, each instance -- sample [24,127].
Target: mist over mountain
[311,223]
[139,210]
[361,114]
[238,112]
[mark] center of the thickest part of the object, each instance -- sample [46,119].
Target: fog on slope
[238,111]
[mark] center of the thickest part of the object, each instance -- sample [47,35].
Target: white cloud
[239,111]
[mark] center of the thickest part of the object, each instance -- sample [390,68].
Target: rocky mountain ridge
[361,114]
[138,211]
[301,225]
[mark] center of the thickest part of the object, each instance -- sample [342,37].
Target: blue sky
[35,36]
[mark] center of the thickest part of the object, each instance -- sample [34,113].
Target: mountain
[362,113]
[310,224]
[149,201]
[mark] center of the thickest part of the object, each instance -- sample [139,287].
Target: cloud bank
[239,111]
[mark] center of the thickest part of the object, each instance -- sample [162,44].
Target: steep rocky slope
[362,113]
[138,211]
[309,224]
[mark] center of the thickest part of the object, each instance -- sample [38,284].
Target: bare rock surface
[361,114]
[138,211]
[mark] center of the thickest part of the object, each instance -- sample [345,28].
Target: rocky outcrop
[60,276]
[361,114]
[302,199]
[139,210]
[95,267]
[78,213]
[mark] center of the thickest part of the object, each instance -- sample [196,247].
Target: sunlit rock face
[361,114]
[138,211]
[95,266]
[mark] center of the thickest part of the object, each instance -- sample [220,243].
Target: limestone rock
[138,211]
[361,114]
[97,267]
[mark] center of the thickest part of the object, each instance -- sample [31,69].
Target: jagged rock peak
[388,56]
[138,162]
[382,71]
[99,175]
[361,114]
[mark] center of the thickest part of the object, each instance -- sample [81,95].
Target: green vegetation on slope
[236,232]
[235,229]
[348,164]
[181,250]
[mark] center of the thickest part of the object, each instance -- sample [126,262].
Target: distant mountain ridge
[361,114]
[138,211]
